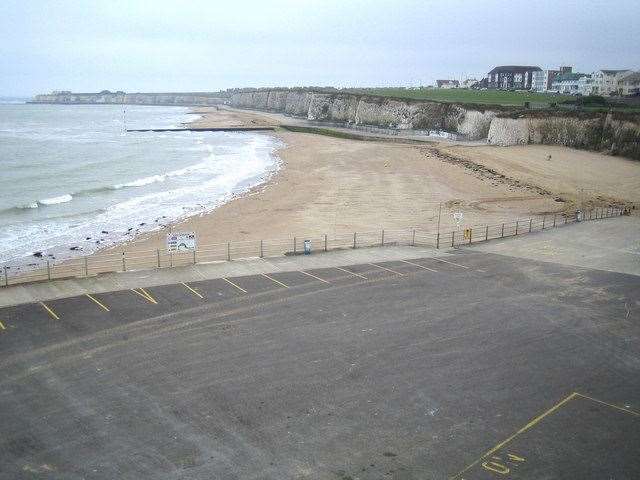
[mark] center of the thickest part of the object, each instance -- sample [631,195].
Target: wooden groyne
[203,129]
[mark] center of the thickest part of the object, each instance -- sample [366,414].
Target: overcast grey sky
[196,45]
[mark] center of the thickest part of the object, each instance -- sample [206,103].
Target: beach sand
[329,185]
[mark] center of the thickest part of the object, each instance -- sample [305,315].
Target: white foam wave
[56,200]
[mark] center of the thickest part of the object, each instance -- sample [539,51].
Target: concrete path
[36,292]
[612,244]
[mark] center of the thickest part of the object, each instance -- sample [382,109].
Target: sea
[72,181]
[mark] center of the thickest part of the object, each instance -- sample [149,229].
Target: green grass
[459,95]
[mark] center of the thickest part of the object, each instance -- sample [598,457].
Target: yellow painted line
[419,266]
[351,273]
[609,404]
[197,294]
[144,294]
[387,269]
[531,423]
[313,276]
[274,280]
[231,283]
[450,263]
[97,302]
[49,311]
[2,327]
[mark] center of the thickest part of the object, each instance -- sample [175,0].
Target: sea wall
[186,99]
[610,133]
[353,109]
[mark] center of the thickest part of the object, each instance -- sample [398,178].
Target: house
[511,77]
[568,83]
[585,85]
[605,82]
[629,84]
[469,83]
[543,79]
[447,83]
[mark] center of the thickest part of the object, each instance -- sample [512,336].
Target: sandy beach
[329,185]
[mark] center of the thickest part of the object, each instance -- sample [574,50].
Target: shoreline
[328,185]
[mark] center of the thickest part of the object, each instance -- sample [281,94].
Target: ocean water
[68,173]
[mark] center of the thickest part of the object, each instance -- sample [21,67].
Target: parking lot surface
[468,366]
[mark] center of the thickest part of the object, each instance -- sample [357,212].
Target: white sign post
[457,216]
[181,242]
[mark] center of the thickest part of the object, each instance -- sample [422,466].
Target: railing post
[502,231]
[565,219]
[294,245]
[48,270]
[438,240]
[158,257]
[413,238]
[6,277]
[228,251]
[517,227]
[486,233]
[194,256]
[86,266]
[554,220]
[261,249]
[325,242]
[354,239]
[544,217]
[171,258]
[382,238]
[470,235]
[530,223]
[124,264]
[453,236]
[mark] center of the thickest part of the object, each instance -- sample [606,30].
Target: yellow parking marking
[233,284]
[523,429]
[351,273]
[197,294]
[450,263]
[50,312]
[274,280]
[97,302]
[419,266]
[387,269]
[313,276]
[144,294]
[2,327]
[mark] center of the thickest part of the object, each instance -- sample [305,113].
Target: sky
[169,46]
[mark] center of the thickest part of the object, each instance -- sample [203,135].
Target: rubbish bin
[307,247]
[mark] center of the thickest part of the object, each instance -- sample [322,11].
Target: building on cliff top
[447,83]
[511,77]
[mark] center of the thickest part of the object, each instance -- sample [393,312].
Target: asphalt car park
[469,366]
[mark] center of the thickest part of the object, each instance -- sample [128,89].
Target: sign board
[457,216]
[307,247]
[467,234]
[181,242]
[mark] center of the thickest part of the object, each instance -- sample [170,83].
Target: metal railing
[99,263]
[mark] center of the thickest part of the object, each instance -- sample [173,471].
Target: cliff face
[130,98]
[616,136]
[365,110]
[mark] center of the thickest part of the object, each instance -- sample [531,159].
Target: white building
[585,85]
[629,84]
[605,82]
[568,83]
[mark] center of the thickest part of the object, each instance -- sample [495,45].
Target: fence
[141,260]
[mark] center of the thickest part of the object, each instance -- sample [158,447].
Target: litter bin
[307,247]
